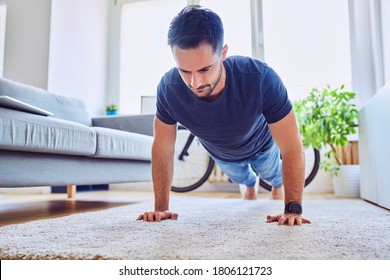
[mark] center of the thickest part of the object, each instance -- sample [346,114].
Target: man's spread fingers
[170,215]
[174,216]
[150,217]
[158,217]
[299,221]
[281,221]
[305,221]
[271,219]
[145,216]
[291,220]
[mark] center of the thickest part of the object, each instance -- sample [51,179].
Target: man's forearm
[293,167]
[162,172]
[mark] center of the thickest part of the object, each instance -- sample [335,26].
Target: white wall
[59,45]
[79,51]
[373,149]
[27,41]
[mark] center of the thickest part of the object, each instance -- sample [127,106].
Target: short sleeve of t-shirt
[276,104]
[163,108]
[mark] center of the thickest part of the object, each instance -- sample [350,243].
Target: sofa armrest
[142,124]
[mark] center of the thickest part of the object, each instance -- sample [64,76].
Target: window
[236,21]
[145,54]
[307,43]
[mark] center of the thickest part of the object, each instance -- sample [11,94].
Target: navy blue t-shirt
[234,126]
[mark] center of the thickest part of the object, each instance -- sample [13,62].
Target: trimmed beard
[211,86]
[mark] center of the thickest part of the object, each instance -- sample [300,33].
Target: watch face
[294,207]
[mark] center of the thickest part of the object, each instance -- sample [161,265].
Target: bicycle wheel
[312,157]
[192,164]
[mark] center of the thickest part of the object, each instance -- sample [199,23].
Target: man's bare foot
[277,193]
[248,193]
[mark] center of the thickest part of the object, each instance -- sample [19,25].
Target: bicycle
[193,165]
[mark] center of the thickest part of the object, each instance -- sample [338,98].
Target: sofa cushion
[142,124]
[113,143]
[67,108]
[20,131]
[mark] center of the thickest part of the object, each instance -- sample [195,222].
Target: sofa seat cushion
[112,143]
[33,133]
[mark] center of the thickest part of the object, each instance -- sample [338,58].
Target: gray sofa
[69,148]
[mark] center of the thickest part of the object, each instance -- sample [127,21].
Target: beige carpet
[207,228]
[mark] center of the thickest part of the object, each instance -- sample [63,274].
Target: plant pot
[347,182]
[111,112]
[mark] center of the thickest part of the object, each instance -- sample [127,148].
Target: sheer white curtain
[369,36]
[144,53]
[3,12]
[307,43]
[385,17]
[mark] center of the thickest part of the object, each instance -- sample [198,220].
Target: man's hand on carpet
[157,216]
[288,219]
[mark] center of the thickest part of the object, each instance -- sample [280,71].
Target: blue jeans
[267,164]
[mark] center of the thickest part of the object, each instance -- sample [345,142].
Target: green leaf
[326,118]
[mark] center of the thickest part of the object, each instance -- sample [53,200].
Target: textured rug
[207,228]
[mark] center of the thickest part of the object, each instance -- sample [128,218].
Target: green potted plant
[327,118]
[111,109]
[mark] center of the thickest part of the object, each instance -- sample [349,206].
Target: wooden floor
[20,208]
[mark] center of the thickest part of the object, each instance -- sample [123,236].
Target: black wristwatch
[293,207]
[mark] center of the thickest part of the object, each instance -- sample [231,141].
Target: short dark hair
[194,26]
